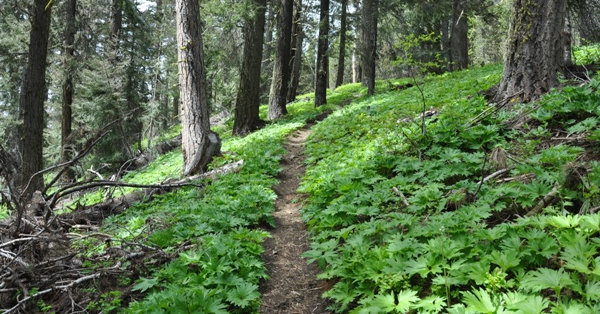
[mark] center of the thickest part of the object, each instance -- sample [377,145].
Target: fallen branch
[402,197]
[43,292]
[521,178]
[496,174]
[97,212]
[548,200]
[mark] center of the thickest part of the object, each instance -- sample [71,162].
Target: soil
[293,286]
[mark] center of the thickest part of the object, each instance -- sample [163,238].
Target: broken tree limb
[548,200]
[496,174]
[402,197]
[98,212]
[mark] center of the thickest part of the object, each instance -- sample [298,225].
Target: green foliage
[459,246]
[585,55]
[221,272]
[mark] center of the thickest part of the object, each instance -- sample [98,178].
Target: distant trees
[248,98]
[297,53]
[322,68]
[199,144]
[281,66]
[535,49]
[33,94]
[339,80]
[370,13]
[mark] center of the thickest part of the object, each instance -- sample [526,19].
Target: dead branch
[492,109]
[43,292]
[522,178]
[496,174]
[548,200]
[402,197]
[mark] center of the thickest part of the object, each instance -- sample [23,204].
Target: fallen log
[94,214]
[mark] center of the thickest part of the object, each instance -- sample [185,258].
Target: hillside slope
[471,217]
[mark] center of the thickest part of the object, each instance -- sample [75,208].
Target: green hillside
[399,220]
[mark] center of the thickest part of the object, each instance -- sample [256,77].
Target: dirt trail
[293,286]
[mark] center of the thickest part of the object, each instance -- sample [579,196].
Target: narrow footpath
[293,286]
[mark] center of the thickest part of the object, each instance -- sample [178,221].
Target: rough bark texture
[459,37]
[535,49]
[296,64]
[117,23]
[369,43]
[199,144]
[339,80]
[33,95]
[248,97]
[281,66]
[322,56]
[67,87]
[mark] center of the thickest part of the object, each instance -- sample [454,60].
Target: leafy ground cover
[404,221]
[220,227]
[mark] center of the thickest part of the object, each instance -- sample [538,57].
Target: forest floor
[293,286]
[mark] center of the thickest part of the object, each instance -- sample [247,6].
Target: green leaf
[530,305]
[479,301]
[544,278]
[144,284]
[243,295]
[406,298]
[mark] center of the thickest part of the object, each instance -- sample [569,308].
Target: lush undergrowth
[403,221]
[586,54]
[221,227]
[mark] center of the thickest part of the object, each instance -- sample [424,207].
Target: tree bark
[199,144]
[369,43]
[459,37]
[297,40]
[535,49]
[67,88]
[281,67]
[117,23]
[322,56]
[248,97]
[33,94]
[339,80]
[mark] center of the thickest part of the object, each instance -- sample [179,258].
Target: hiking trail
[293,286]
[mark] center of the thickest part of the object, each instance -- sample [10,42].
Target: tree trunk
[248,97]
[535,49]
[33,94]
[369,43]
[199,144]
[322,56]
[459,37]
[567,42]
[67,88]
[117,23]
[339,80]
[298,38]
[281,67]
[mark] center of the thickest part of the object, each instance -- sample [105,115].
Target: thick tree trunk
[322,56]
[281,67]
[199,144]
[369,43]
[297,40]
[535,49]
[248,96]
[459,37]
[33,94]
[67,88]
[339,80]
